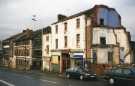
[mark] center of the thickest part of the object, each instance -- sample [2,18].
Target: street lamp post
[25,55]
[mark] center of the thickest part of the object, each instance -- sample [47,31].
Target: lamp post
[25,54]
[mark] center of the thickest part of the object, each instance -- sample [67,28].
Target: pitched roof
[90,11]
[26,34]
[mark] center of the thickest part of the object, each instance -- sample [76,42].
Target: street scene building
[90,39]
[86,38]
[37,49]
[67,43]
[18,50]
[23,51]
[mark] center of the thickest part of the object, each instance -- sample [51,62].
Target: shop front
[77,59]
[60,61]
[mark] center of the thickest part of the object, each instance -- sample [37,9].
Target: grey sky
[16,15]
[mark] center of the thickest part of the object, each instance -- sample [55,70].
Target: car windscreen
[133,69]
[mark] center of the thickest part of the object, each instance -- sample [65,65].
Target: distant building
[89,37]
[18,50]
[23,50]
[1,53]
[37,49]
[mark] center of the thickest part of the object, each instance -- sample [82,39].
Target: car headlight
[87,74]
[95,74]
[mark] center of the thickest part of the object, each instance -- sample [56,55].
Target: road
[36,78]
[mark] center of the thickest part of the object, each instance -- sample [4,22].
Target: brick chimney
[61,17]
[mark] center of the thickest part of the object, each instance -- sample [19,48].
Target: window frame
[56,29]
[78,23]
[56,43]
[78,40]
[103,40]
[101,21]
[65,27]
[65,41]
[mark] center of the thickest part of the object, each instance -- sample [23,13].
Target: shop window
[94,57]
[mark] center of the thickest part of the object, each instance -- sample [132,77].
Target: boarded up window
[55,59]
[110,57]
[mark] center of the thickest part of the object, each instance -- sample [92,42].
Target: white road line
[27,77]
[48,81]
[7,83]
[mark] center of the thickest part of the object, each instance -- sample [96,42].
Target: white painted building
[92,36]
[46,46]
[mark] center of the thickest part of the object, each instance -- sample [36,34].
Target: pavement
[37,78]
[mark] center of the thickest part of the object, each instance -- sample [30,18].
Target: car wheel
[111,81]
[68,76]
[81,77]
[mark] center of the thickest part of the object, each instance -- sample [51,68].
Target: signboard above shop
[76,55]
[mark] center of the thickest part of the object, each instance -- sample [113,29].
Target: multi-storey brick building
[94,36]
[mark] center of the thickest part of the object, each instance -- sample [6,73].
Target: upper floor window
[65,27]
[78,23]
[77,40]
[56,29]
[47,49]
[56,42]
[102,40]
[101,21]
[66,40]
[47,38]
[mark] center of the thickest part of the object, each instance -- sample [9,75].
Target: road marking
[48,81]
[27,77]
[7,83]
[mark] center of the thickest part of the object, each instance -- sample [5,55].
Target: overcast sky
[16,15]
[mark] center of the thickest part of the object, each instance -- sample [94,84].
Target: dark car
[121,76]
[81,73]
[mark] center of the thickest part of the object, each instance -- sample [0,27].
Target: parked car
[121,76]
[81,73]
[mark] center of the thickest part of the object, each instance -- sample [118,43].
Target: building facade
[1,54]
[46,46]
[37,49]
[23,50]
[89,37]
